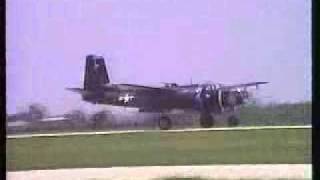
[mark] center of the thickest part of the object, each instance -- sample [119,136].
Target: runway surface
[262,171]
[168,131]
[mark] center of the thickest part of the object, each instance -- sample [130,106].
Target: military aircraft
[206,98]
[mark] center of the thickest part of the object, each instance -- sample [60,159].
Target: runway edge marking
[167,131]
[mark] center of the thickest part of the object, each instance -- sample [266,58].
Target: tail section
[96,73]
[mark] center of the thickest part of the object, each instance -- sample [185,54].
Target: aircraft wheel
[206,120]
[98,119]
[164,123]
[233,121]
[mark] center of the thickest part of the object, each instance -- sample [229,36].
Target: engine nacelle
[208,99]
[214,100]
[232,98]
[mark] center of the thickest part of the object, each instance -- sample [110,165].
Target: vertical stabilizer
[96,73]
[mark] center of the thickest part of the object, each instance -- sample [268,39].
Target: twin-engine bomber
[208,98]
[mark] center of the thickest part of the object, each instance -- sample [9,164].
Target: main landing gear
[206,120]
[164,123]
[233,121]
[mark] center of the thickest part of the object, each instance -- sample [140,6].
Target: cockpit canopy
[212,86]
[170,85]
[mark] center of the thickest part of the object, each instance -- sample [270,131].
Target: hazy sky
[148,42]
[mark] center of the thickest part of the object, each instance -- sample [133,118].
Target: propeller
[233,98]
[237,97]
[204,97]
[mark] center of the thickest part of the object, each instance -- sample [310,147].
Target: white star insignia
[125,98]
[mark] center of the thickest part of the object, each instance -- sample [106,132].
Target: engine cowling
[211,99]
[207,99]
[232,98]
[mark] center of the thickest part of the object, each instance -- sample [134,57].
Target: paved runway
[173,131]
[250,171]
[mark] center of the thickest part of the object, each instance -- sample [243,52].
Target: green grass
[276,114]
[155,148]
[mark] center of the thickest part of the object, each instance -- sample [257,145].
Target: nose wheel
[164,123]
[206,120]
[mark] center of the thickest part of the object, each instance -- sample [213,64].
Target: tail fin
[96,73]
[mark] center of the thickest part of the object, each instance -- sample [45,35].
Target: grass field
[160,148]
[276,114]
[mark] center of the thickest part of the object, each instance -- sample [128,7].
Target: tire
[164,123]
[98,120]
[206,120]
[233,121]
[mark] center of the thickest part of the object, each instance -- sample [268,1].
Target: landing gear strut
[164,123]
[206,120]
[233,121]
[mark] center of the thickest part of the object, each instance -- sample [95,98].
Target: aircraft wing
[228,87]
[141,87]
[125,87]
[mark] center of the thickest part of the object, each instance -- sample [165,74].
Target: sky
[149,42]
